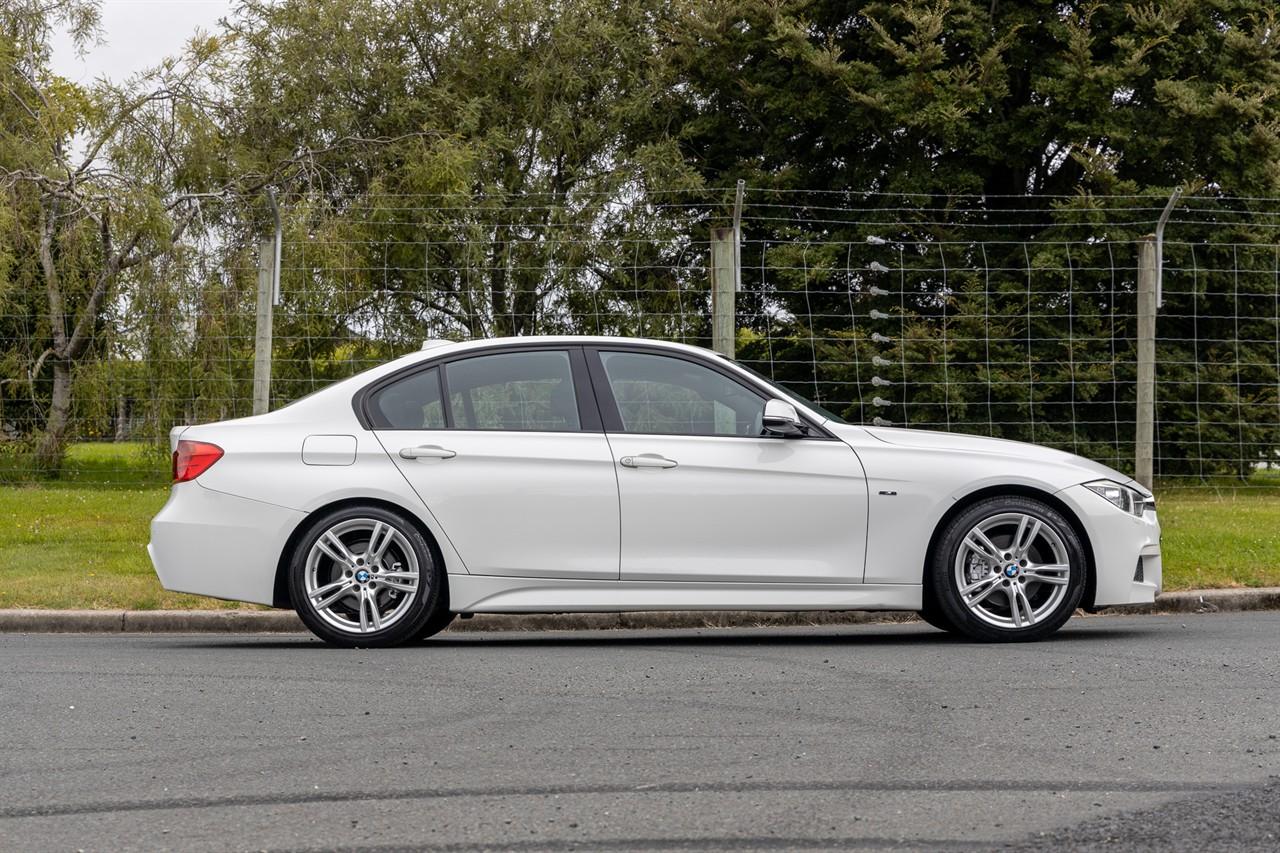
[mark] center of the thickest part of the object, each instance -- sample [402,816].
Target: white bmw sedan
[611,474]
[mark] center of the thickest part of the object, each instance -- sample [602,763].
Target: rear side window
[413,402]
[514,391]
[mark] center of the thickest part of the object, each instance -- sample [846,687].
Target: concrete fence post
[1145,428]
[262,335]
[723,293]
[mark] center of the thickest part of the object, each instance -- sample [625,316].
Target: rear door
[705,496]
[510,458]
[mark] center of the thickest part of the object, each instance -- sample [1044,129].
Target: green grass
[80,542]
[1225,536]
[126,464]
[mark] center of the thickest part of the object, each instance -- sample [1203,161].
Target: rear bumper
[1120,541]
[210,543]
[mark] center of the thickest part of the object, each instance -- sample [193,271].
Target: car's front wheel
[364,576]
[933,615]
[1008,569]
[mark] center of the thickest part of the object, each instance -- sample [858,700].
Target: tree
[475,169]
[992,127]
[100,181]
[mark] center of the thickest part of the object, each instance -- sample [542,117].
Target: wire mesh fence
[1014,318]
[1033,341]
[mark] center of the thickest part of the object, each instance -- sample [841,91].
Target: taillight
[193,458]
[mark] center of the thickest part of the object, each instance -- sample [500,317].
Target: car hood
[977,444]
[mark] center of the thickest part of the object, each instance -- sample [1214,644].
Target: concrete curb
[1208,601]
[283,621]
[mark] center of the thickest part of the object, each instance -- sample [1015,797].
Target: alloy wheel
[1012,570]
[362,575]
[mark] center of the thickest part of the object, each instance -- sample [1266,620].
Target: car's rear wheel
[1008,569]
[439,620]
[364,576]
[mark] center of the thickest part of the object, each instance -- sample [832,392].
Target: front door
[495,446]
[706,497]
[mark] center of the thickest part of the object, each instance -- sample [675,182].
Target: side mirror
[782,419]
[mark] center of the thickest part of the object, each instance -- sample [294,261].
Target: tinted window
[513,391]
[665,395]
[410,403]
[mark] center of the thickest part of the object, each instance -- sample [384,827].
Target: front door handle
[648,460]
[427,451]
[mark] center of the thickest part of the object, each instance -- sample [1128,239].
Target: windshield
[799,398]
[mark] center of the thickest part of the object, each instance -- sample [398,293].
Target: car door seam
[425,506]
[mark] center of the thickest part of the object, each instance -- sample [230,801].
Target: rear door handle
[648,460]
[427,451]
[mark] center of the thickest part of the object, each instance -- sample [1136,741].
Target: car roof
[432,349]
[435,347]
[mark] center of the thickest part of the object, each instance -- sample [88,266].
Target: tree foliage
[984,131]
[483,167]
[102,181]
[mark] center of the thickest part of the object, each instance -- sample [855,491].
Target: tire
[373,571]
[440,619]
[931,613]
[1014,591]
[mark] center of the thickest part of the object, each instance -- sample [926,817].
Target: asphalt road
[1121,733]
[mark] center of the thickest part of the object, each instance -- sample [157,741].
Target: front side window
[784,391]
[662,395]
[410,403]
[513,391]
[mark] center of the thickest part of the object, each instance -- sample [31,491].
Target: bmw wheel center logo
[1011,571]
[362,576]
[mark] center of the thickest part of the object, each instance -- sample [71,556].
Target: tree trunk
[53,444]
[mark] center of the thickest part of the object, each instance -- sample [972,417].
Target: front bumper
[211,543]
[1119,541]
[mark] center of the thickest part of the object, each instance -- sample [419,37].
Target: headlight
[1129,500]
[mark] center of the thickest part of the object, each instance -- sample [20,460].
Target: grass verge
[80,542]
[1225,537]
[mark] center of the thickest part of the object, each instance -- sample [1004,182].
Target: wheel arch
[280,588]
[1003,490]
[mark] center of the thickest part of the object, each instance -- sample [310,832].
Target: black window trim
[588,409]
[612,418]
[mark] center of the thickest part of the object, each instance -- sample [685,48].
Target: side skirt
[492,594]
